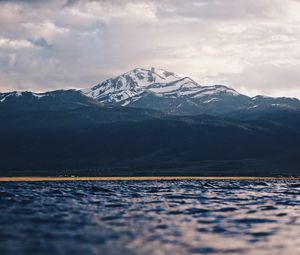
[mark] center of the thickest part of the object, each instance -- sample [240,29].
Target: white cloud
[14,44]
[45,29]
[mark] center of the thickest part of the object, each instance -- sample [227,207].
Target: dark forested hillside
[89,139]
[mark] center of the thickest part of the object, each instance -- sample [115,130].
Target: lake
[150,217]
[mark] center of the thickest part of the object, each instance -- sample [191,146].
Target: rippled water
[150,217]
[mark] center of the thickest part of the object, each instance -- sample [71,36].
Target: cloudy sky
[253,46]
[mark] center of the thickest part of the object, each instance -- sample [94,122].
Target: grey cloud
[40,42]
[250,45]
[20,1]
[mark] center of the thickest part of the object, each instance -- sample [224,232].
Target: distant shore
[140,178]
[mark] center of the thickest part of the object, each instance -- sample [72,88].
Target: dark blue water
[150,217]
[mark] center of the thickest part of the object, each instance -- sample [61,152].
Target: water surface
[150,217]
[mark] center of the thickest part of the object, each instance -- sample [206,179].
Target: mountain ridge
[167,92]
[164,91]
[66,132]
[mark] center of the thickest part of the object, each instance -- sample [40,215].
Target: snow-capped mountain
[165,91]
[130,87]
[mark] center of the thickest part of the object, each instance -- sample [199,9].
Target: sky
[252,46]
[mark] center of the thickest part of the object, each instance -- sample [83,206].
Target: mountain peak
[129,87]
[162,90]
[138,83]
[146,76]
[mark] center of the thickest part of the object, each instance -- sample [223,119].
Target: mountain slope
[91,139]
[62,108]
[167,92]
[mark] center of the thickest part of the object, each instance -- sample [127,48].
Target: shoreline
[142,178]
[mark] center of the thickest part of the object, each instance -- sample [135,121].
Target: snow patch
[211,100]
[39,95]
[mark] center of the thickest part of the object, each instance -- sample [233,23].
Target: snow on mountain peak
[147,76]
[131,86]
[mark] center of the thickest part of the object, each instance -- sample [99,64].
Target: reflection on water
[150,217]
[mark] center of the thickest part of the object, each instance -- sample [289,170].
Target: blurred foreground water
[150,217]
